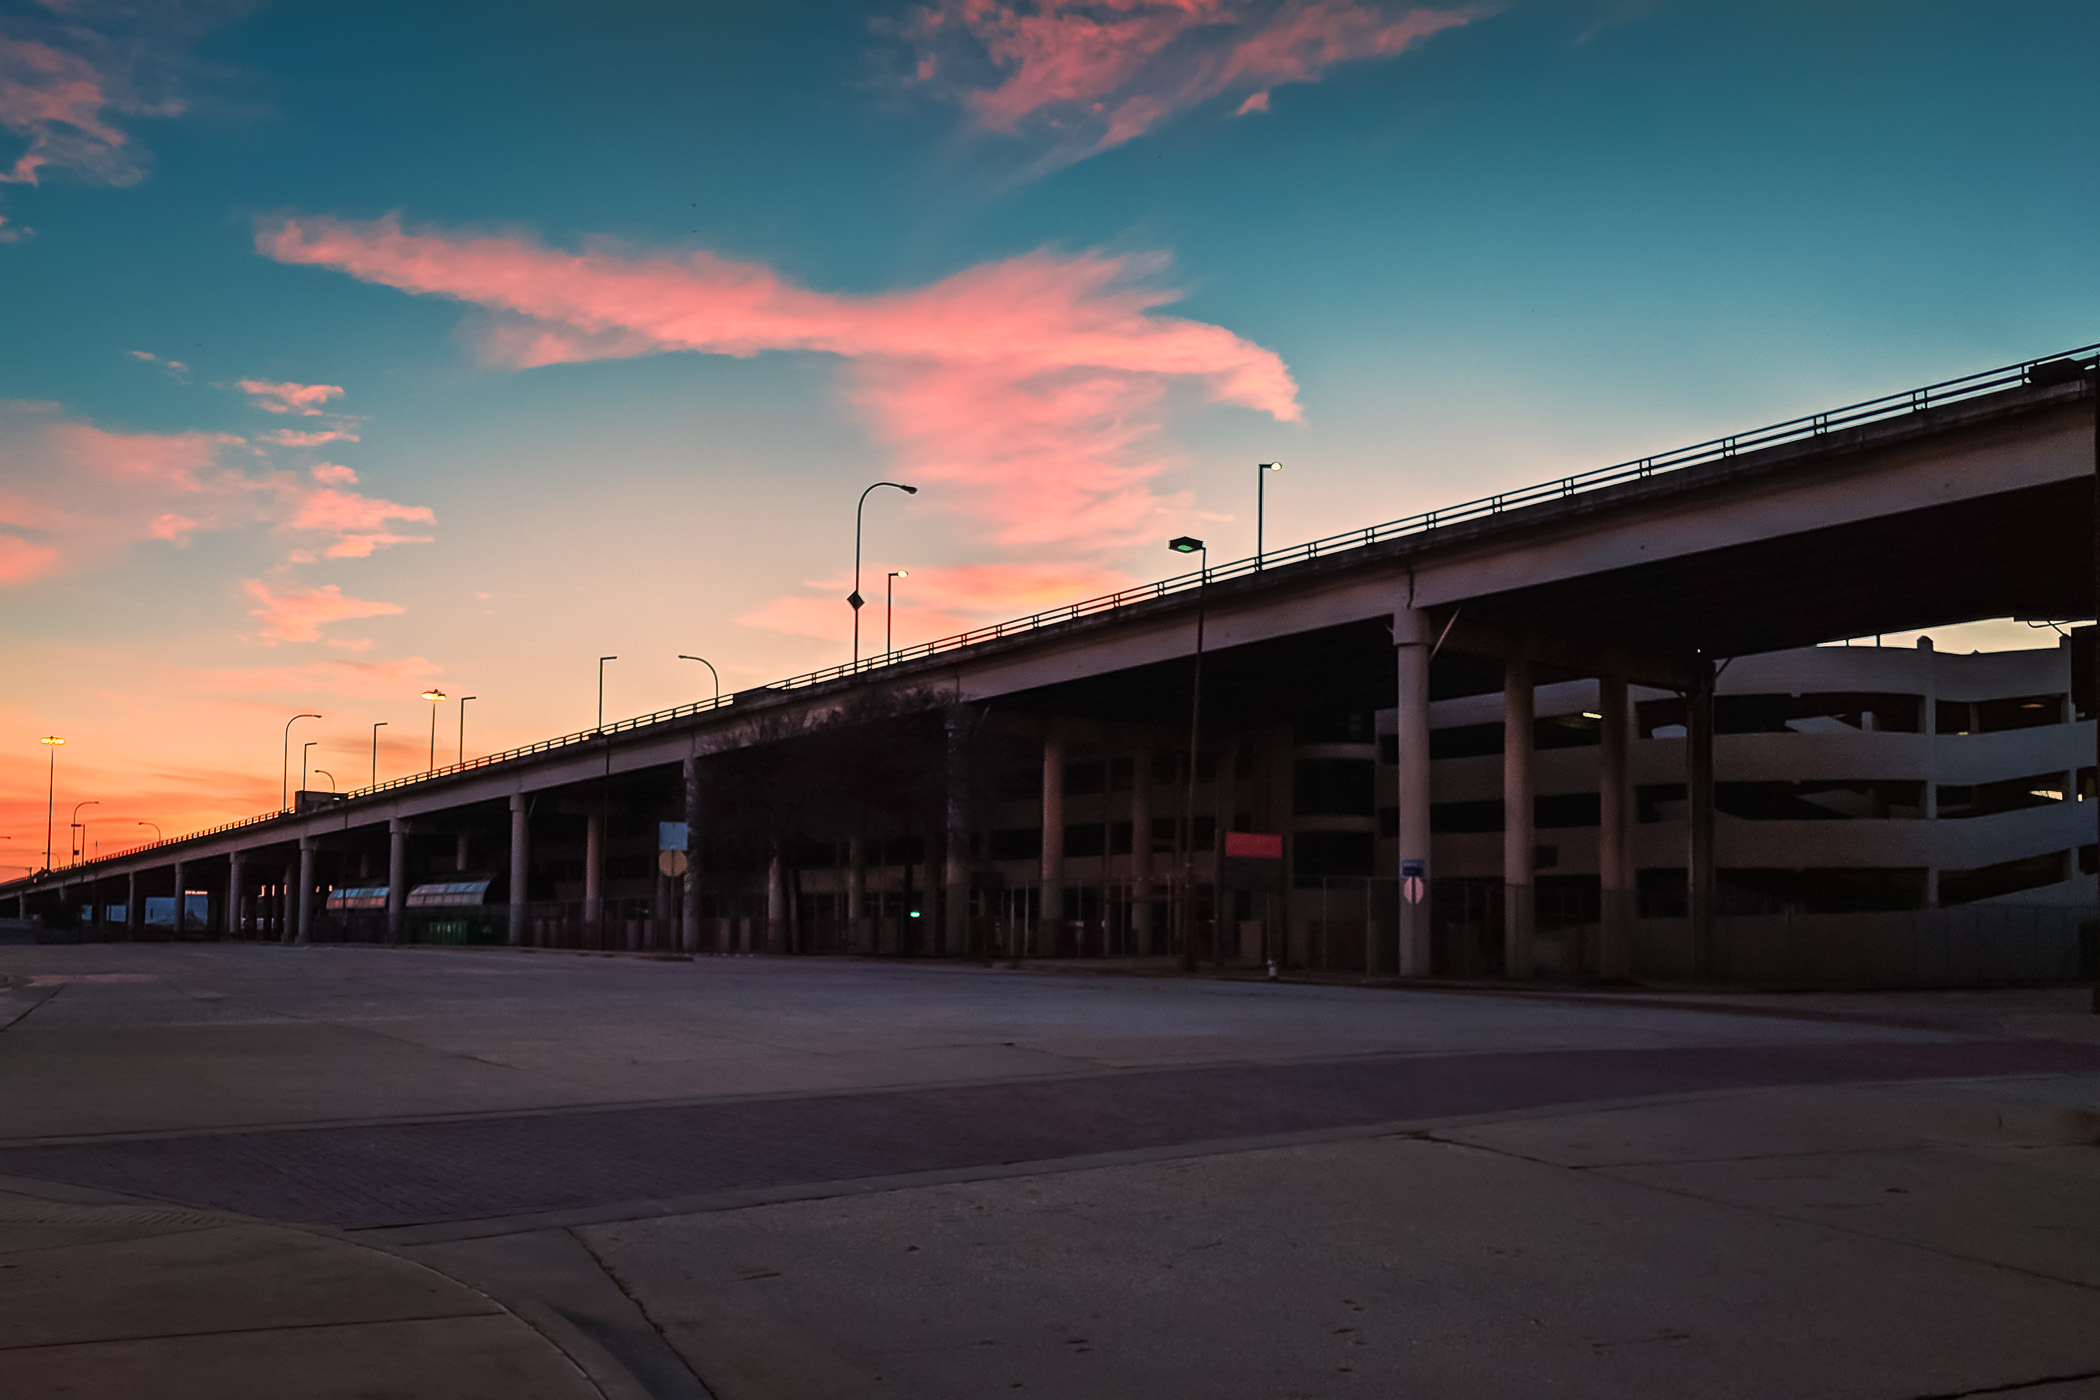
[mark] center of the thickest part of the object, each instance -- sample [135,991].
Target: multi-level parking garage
[1073,783]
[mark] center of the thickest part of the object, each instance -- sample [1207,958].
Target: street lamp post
[710,670]
[1188,544]
[436,698]
[1261,485]
[81,826]
[463,725]
[323,772]
[305,751]
[51,742]
[155,826]
[601,689]
[889,608]
[377,725]
[853,599]
[284,779]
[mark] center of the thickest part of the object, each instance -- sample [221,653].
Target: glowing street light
[377,725]
[889,607]
[78,825]
[51,742]
[1261,482]
[436,698]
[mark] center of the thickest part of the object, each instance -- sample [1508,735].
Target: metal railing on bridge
[2065,365]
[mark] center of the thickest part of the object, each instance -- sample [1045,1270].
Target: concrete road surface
[266,1171]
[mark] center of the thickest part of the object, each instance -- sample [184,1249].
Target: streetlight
[853,599]
[601,689]
[1261,482]
[330,776]
[1189,544]
[436,698]
[51,742]
[284,780]
[377,725]
[303,752]
[710,670]
[889,606]
[81,825]
[155,826]
[463,725]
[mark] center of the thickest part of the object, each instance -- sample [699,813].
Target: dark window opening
[1463,741]
[2007,877]
[1333,787]
[2005,795]
[1562,809]
[1660,719]
[1086,839]
[1017,843]
[1661,893]
[1084,778]
[1119,838]
[1829,890]
[1458,817]
[1819,712]
[1122,772]
[1566,731]
[1661,802]
[1332,853]
[1822,801]
[2019,712]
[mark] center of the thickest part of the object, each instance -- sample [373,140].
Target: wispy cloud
[71,71]
[74,495]
[1088,75]
[288,397]
[299,614]
[1033,389]
[292,437]
[175,368]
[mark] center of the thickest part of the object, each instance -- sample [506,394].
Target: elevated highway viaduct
[1966,500]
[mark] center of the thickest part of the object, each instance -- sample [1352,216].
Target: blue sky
[1468,254]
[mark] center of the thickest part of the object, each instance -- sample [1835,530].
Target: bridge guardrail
[2064,365]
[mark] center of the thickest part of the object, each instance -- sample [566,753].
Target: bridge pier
[1413,640]
[1699,791]
[689,911]
[233,893]
[521,864]
[1519,834]
[1053,867]
[305,916]
[1614,853]
[396,877]
[955,873]
[1141,853]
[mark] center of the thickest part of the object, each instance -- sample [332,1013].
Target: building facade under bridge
[1677,787]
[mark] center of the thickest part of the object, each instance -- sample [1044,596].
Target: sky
[348,351]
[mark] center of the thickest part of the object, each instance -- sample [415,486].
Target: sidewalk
[107,1299]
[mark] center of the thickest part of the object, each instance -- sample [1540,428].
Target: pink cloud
[299,614]
[1098,73]
[1034,388]
[74,496]
[56,100]
[305,399]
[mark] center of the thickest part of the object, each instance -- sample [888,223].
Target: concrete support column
[1413,640]
[233,895]
[287,911]
[955,874]
[857,895]
[1699,790]
[182,920]
[462,854]
[134,916]
[689,910]
[1614,832]
[520,866]
[1053,873]
[396,878]
[306,889]
[776,903]
[1141,852]
[1519,840]
[593,867]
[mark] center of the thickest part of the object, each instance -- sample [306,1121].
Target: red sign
[1253,845]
